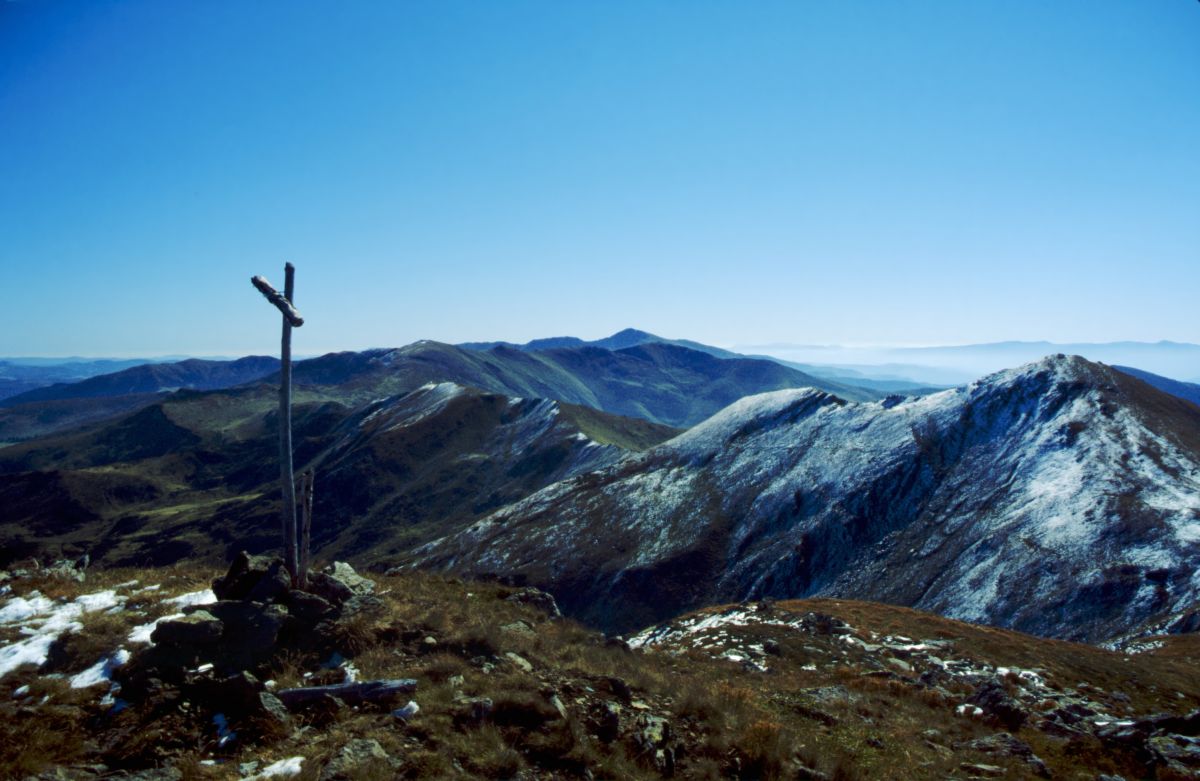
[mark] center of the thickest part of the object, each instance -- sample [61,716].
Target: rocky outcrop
[211,654]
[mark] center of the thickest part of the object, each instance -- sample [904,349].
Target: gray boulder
[360,758]
[339,583]
[244,575]
[536,598]
[198,628]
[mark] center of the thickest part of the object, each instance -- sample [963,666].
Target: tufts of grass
[100,634]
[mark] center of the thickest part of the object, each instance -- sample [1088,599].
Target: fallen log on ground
[349,693]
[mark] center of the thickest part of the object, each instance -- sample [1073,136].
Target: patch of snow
[408,711]
[21,608]
[142,632]
[43,621]
[101,671]
[204,597]
[284,767]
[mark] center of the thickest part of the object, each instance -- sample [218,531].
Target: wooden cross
[297,564]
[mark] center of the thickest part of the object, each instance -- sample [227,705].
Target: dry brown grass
[100,634]
[726,721]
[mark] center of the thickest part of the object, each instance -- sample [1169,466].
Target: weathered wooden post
[291,319]
[306,507]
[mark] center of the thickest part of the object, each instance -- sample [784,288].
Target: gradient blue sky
[835,172]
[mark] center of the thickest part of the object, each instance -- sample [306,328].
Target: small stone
[991,771]
[538,599]
[478,709]
[309,608]
[408,711]
[519,628]
[653,732]
[272,708]
[357,759]
[519,661]
[605,721]
[620,689]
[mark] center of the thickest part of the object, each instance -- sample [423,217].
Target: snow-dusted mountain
[1061,498]
[404,469]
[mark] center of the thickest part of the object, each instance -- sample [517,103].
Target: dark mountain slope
[45,418]
[848,384]
[196,473]
[18,375]
[662,383]
[1062,498]
[1188,391]
[154,378]
[402,471]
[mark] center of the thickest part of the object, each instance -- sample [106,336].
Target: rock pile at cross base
[215,653]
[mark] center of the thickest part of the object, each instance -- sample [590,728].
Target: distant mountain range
[658,381]
[953,365]
[193,374]
[631,337]
[18,375]
[1062,498]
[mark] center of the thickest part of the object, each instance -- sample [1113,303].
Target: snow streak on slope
[1061,498]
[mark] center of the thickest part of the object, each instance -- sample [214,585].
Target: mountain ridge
[911,501]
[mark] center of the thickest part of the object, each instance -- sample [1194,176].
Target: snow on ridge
[1057,367]
[1021,467]
[414,406]
[711,434]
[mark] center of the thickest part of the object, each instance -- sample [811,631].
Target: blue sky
[849,172]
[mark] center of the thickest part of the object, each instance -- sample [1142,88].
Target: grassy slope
[821,707]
